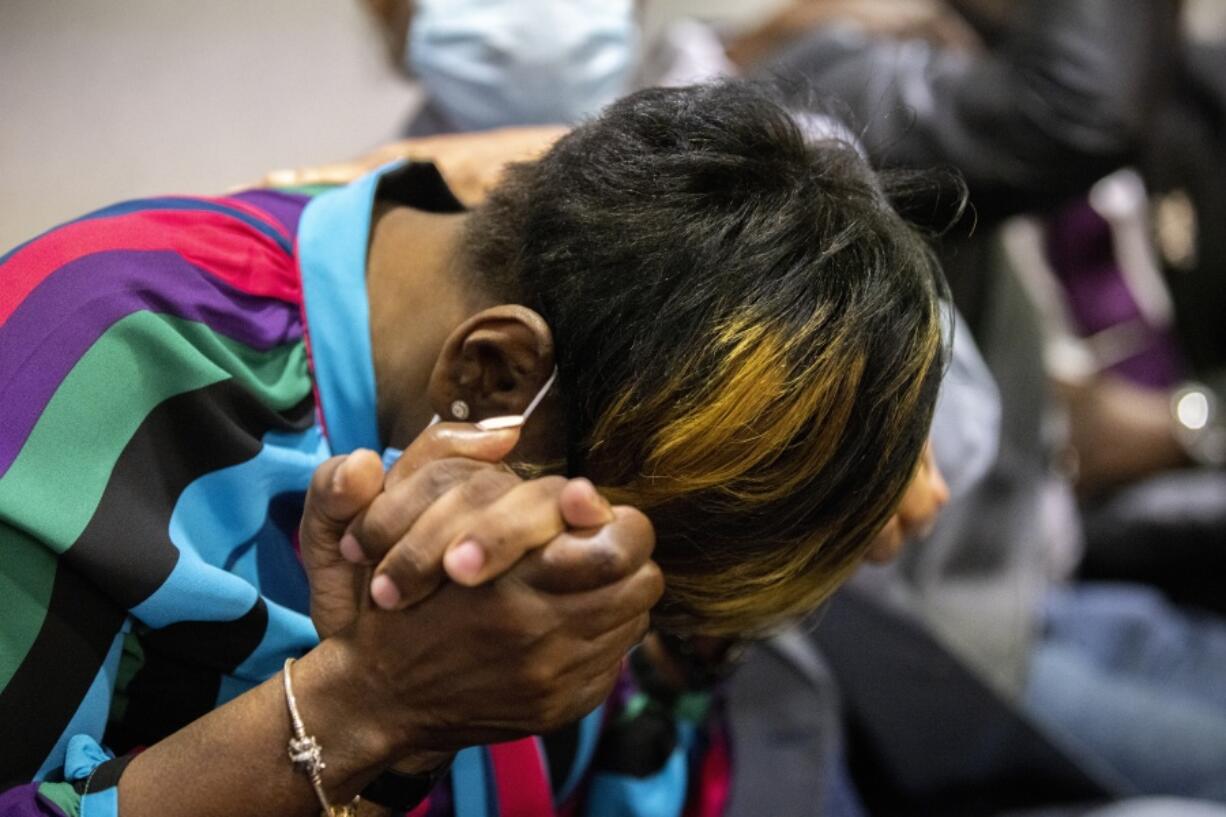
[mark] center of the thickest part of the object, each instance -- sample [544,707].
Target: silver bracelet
[306,754]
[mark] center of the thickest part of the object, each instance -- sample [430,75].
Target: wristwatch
[1198,424]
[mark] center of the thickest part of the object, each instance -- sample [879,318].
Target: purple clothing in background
[1081,250]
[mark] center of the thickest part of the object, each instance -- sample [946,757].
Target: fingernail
[351,550]
[588,487]
[500,423]
[593,495]
[383,591]
[338,477]
[464,561]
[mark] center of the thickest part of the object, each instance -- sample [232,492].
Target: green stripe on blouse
[27,574]
[55,484]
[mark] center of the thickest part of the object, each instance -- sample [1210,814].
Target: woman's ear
[492,365]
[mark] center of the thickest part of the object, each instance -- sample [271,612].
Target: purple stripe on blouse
[61,319]
[285,208]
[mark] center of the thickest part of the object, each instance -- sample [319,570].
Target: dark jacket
[1067,95]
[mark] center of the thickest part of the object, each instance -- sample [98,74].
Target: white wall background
[102,100]
[106,99]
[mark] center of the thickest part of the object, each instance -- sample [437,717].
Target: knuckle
[556,714]
[638,529]
[554,709]
[377,530]
[552,484]
[321,479]
[598,692]
[607,562]
[484,486]
[409,562]
[439,477]
[639,631]
[524,636]
[653,579]
[435,441]
[536,630]
[403,564]
[538,676]
[320,488]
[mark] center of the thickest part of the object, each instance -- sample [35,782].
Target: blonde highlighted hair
[749,339]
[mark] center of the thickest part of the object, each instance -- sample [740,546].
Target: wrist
[386,731]
[338,704]
[425,761]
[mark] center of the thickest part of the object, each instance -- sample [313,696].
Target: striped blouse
[161,413]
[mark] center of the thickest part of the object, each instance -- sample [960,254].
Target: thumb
[340,488]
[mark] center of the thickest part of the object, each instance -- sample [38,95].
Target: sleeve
[30,800]
[135,356]
[90,786]
[628,789]
[1065,98]
[663,753]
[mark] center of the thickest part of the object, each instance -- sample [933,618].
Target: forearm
[471,163]
[234,760]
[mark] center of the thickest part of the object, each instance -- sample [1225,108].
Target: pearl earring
[459,410]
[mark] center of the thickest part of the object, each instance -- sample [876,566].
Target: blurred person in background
[494,64]
[1058,95]
[1159,514]
[1033,126]
[485,65]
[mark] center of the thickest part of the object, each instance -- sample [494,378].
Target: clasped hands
[471,606]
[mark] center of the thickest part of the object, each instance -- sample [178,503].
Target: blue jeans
[1131,682]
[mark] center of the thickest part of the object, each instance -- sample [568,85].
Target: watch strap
[402,792]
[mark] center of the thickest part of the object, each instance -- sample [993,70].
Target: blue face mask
[491,63]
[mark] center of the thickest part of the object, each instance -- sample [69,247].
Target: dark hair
[748,338]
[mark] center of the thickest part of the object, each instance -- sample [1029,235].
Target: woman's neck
[418,295]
